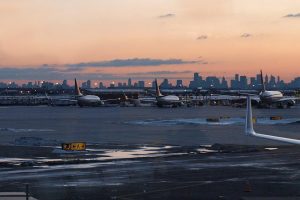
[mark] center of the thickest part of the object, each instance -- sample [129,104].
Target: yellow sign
[74,146]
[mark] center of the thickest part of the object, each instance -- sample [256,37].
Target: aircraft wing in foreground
[249,130]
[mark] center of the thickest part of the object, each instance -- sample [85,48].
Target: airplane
[249,130]
[267,98]
[168,100]
[86,100]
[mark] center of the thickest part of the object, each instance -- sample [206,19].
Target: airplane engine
[286,104]
[291,103]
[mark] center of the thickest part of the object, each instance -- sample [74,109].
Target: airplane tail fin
[262,82]
[158,93]
[77,90]
[125,96]
[249,119]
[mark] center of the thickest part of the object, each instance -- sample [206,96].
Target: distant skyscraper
[153,84]
[196,82]
[179,84]
[89,84]
[272,82]
[112,85]
[212,82]
[29,85]
[101,85]
[258,81]
[64,84]
[224,83]
[252,82]
[243,82]
[165,84]
[266,79]
[129,83]
[236,77]
[196,77]
[141,84]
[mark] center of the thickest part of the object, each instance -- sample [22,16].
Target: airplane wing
[148,100]
[61,101]
[286,99]
[230,97]
[249,130]
[69,100]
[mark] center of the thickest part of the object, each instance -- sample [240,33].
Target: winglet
[77,90]
[249,120]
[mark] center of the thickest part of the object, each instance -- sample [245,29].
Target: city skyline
[111,40]
[197,81]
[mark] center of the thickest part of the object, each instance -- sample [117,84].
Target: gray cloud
[43,72]
[202,37]
[134,62]
[70,71]
[246,35]
[169,15]
[48,73]
[297,15]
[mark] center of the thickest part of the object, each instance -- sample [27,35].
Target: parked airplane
[168,100]
[250,131]
[267,98]
[86,100]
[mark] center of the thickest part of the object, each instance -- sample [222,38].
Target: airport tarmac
[147,153]
[143,125]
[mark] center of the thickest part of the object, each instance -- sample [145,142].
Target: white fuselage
[88,100]
[167,100]
[270,96]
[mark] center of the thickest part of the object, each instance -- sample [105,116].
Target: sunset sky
[142,39]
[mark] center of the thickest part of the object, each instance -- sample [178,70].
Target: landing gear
[175,105]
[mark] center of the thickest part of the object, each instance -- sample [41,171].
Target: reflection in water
[221,121]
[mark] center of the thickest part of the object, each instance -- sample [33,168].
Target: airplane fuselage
[270,96]
[168,100]
[89,100]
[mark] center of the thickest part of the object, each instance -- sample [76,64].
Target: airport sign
[74,146]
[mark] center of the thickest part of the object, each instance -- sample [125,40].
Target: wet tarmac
[147,153]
